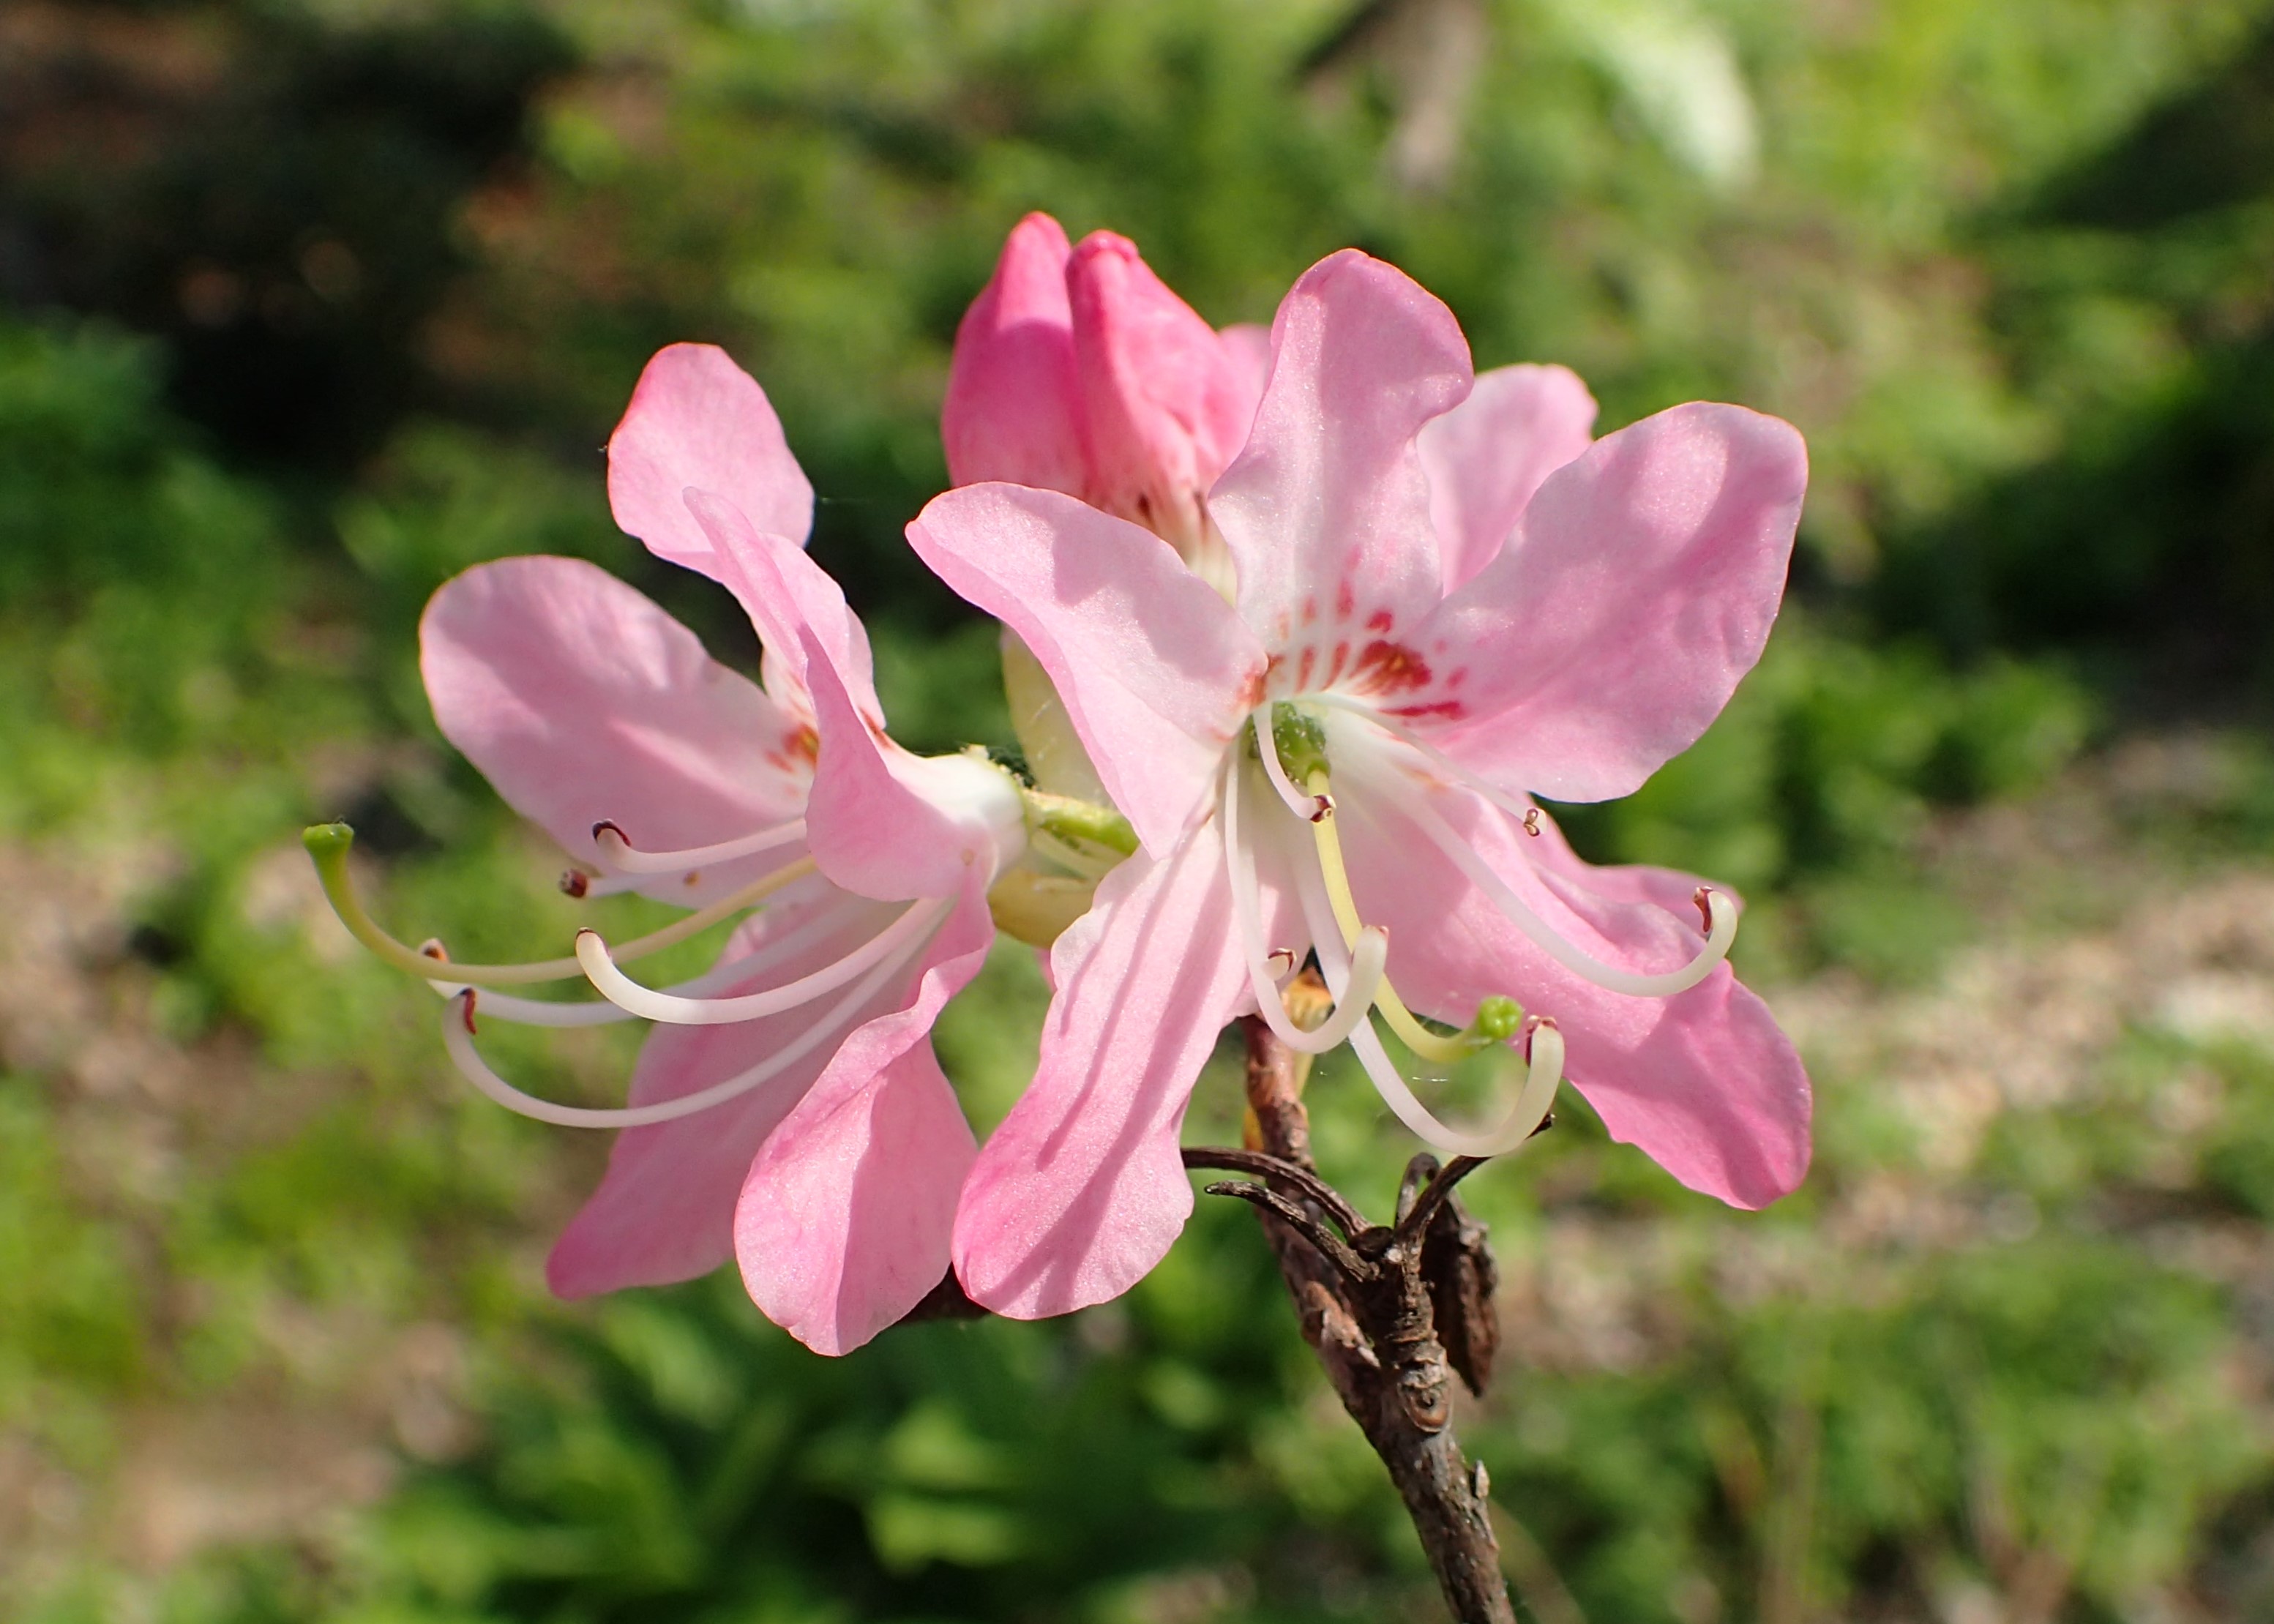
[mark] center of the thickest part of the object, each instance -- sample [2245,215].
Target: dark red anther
[1532,822]
[1704,897]
[1324,808]
[575,883]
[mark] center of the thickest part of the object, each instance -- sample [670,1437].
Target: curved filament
[1721,912]
[621,853]
[601,1012]
[1431,1046]
[1369,955]
[1541,1076]
[330,853]
[893,944]
[1309,807]
[458,1039]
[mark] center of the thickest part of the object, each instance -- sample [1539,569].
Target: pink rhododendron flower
[1446,599]
[1077,369]
[788,1111]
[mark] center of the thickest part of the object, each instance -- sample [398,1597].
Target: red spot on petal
[1345,602]
[1381,621]
[1389,667]
[1342,659]
[1303,670]
[1452,709]
[1310,609]
[807,742]
[1460,675]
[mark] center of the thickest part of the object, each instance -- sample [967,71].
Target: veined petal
[887,823]
[1327,509]
[843,1223]
[1704,1083]
[1165,405]
[1080,1191]
[1487,455]
[581,701]
[787,595]
[1012,410]
[665,1211]
[698,419]
[1154,668]
[1638,588]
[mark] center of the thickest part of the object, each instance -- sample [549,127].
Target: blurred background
[305,304]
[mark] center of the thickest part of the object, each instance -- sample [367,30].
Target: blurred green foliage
[2004,266]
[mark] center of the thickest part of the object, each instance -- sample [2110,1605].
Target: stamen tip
[575,883]
[432,948]
[1532,822]
[608,826]
[1704,897]
[466,1009]
[1322,807]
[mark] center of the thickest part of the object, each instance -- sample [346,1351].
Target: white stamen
[621,853]
[601,1012]
[1532,1104]
[580,884]
[1719,910]
[458,1039]
[1368,960]
[657,1005]
[1310,808]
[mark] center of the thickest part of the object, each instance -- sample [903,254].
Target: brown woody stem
[1370,1310]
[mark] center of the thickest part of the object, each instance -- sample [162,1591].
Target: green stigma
[1498,1020]
[328,843]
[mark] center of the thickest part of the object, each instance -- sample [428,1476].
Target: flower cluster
[1296,625]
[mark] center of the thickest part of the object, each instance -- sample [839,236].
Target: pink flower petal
[698,419]
[843,1225]
[787,595]
[581,701]
[1639,586]
[1488,455]
[1327,509]
[1154,669]
[1012,410]
[1081,1191]
[877,821]
[1165,405]
[665,1211]
[1703,1083]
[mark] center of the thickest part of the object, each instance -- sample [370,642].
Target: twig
[1370,1310]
